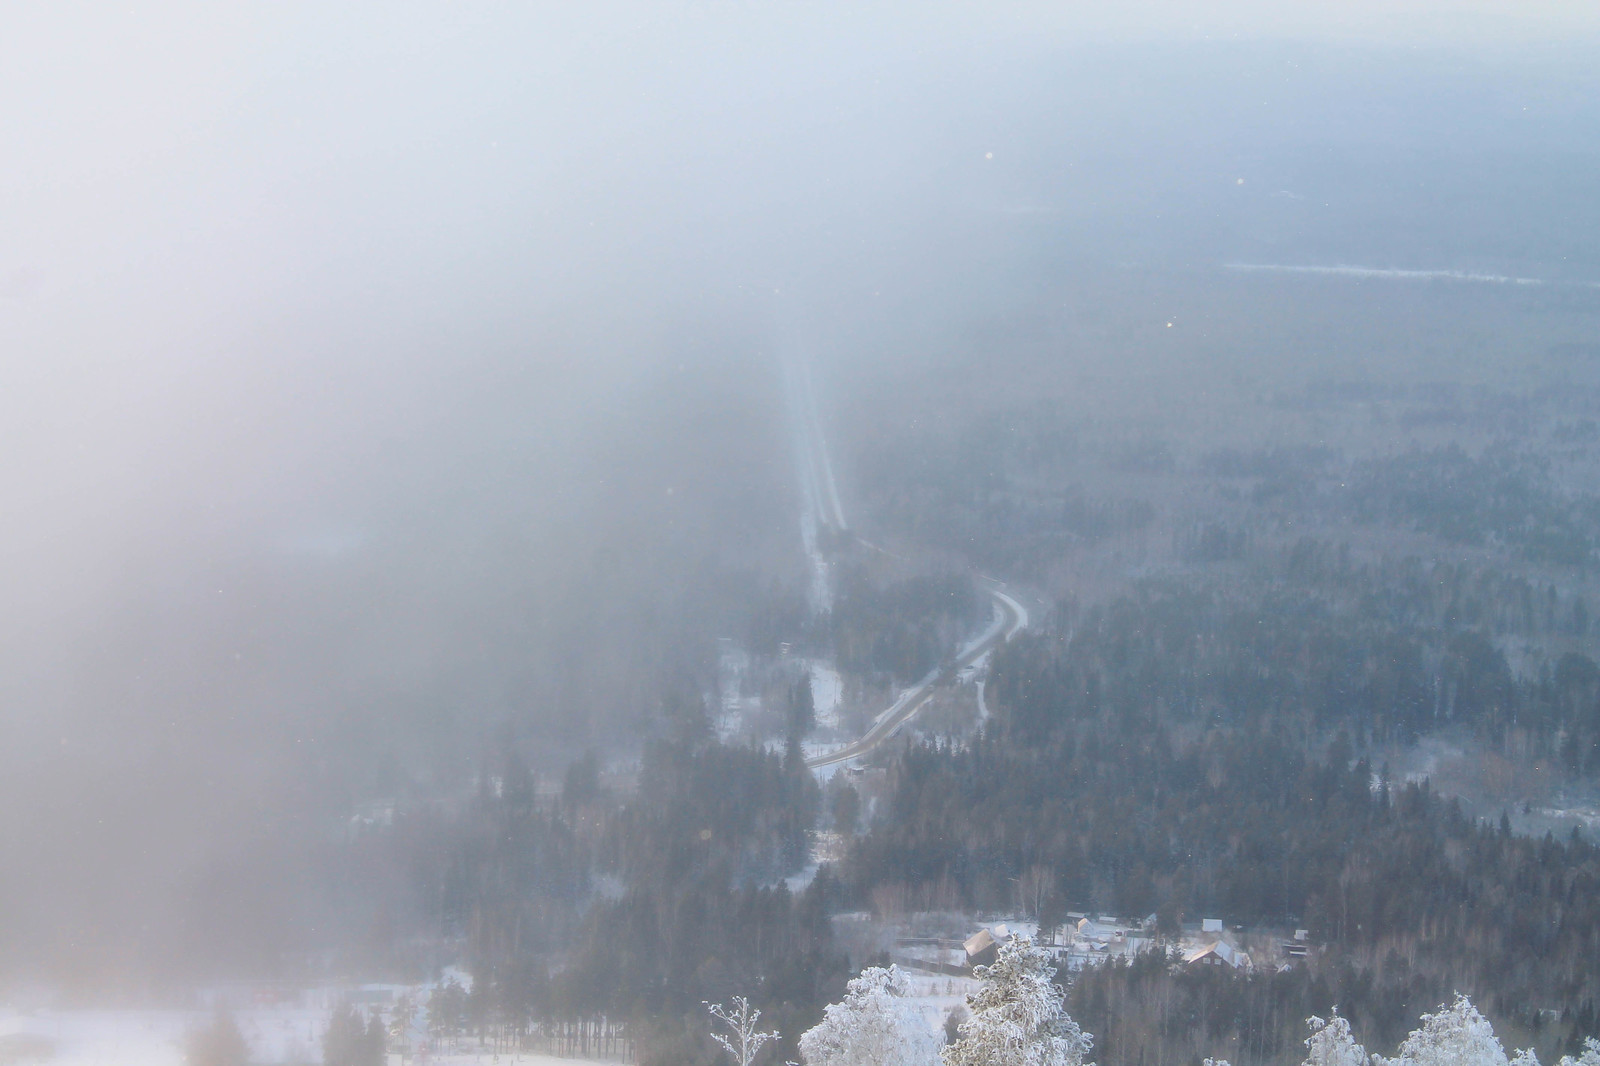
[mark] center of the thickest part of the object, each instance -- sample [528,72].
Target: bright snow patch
[827,692]
[275,1035]
[1386,273]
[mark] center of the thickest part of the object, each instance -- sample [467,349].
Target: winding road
[820,507]
[1012,617]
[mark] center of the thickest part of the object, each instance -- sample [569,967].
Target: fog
[389,388]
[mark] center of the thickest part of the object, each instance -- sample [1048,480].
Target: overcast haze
[399,380]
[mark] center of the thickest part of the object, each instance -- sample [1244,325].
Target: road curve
[1013,617]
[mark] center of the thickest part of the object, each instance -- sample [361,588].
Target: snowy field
[156,1038]
[279,1035]
[827,691]
[935,996]
[512,1058]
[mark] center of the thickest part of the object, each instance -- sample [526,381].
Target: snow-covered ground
[738,711]
[1386,273]
[827,692]
[504,1058]
[819,493]
[1023,618]
[997,618]
[934,997]
[276,1035]
[156,1037]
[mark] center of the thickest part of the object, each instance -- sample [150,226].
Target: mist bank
[383,401]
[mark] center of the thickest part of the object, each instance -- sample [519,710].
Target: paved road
[1013,617]
[820,506]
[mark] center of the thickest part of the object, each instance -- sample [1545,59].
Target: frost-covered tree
[1454,1035]
[747,1036]
[1332,1044]
[1590,1056]
[872,1026]
[1017,1016]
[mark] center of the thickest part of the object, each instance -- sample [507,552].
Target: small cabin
[1218,953]
[983,947]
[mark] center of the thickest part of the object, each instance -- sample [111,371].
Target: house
[1100,928]
[1211,925]
[1218,953]
[983,947]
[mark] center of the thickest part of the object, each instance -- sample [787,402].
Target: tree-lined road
[1013,617]
[820,507]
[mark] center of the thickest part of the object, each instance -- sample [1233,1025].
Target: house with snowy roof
[1218,953]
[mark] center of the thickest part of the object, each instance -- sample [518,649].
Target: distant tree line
[900,630]
[591,914]
[1398,652]
[1183,755]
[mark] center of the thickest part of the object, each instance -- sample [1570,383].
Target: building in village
[983,947]
[1218,953]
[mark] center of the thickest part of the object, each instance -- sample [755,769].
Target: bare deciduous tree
[742,1019]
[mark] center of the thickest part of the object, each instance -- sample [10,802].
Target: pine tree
[871,1026]
[802,710]
[349,1041]
[447,1009]
[1017,1016]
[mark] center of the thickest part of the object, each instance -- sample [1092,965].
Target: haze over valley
[524,522]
